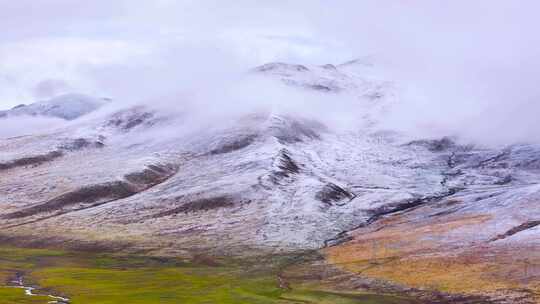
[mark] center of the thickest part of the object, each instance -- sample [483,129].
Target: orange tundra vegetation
[416,255]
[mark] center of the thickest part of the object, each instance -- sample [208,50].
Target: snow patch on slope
[67,107]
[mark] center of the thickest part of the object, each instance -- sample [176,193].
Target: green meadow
[110,279]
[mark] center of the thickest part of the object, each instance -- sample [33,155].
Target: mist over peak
[456,73]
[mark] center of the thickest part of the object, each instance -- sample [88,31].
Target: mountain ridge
[66,106]
[280,182]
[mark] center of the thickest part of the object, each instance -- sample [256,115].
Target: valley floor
[107,278]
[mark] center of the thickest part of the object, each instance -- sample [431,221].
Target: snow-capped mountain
[67,106]
[269,182]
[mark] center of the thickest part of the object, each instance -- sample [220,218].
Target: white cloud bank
[471,67]
[28,125]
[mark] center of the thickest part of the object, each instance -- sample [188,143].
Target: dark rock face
[286,167]
[31,160]
[152,174]
[279,65]
[329,67]
[517,229]
[235,145]
[320,87]
[436,145]
[18,106]
[287,164]
[129,119]
[505,180]
[81,143]
[332,193]
[200,205]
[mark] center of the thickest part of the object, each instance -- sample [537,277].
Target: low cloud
[28,125]
[466,69]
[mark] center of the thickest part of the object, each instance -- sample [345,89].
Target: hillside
[387,211]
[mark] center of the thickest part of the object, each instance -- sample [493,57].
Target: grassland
[108,279]
[417,257]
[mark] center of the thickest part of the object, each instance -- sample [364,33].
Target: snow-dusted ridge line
[67,107]
[92,196]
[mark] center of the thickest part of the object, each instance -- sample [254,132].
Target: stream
[18,282]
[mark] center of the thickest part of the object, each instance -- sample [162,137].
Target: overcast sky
[457,54]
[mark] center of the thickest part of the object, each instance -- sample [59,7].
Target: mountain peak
[66,106]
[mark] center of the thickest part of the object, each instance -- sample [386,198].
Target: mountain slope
[277,182]
[68,107]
